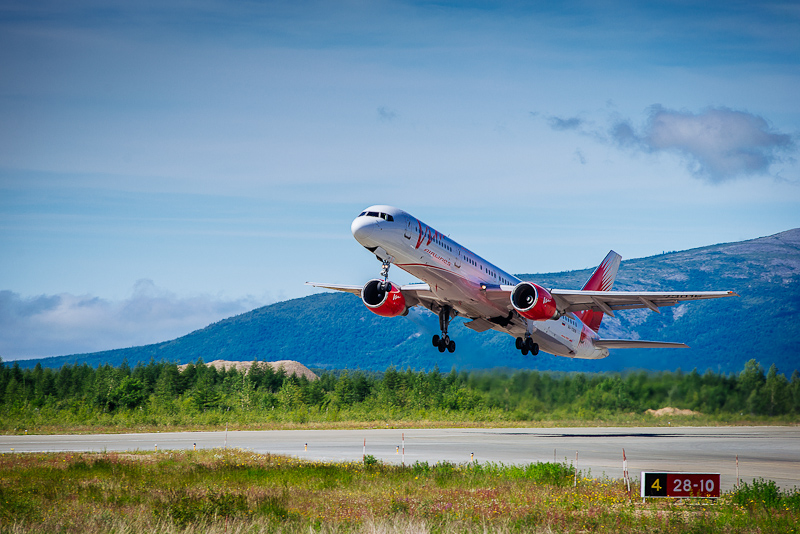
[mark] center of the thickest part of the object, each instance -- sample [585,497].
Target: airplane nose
[362,229]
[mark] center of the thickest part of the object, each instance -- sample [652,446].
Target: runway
[769,452]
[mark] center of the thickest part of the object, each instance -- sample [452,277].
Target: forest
[158,394]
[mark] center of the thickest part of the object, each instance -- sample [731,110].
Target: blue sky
[167,164]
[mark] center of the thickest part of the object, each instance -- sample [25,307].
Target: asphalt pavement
[769,452]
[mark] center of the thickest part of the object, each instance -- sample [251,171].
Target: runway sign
[682,485]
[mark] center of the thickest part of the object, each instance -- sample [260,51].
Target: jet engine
[384,298]
[533,302]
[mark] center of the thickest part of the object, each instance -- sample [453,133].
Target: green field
[227,490]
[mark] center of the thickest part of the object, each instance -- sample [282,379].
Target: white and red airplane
[458,282]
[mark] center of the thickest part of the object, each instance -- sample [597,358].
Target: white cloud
[718,144]
[55,325]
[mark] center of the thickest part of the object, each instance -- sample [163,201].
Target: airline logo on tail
[601,280]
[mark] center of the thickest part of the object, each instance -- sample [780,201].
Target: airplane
[458,282]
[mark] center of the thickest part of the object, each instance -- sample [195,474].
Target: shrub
[765,493]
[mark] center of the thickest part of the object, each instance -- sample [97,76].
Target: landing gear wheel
[527,345]
[531,347]
[444,342]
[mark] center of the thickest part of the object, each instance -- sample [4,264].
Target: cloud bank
[56,325]
[717,144]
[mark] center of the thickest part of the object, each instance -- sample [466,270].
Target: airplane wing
[415,294]
[355,290]
[570,300]
[637,344]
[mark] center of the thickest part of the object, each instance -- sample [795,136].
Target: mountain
[336,331]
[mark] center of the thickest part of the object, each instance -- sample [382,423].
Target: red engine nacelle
[384,298]
[533,302]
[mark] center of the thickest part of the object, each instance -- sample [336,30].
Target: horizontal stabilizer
[637,344]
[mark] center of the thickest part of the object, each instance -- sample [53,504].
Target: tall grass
[239,491]
[36,421]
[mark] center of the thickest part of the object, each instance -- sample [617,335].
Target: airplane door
[409,231]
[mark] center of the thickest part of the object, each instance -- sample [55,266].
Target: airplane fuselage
[465,280]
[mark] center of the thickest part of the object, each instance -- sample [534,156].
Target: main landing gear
[444,342]
[527,345]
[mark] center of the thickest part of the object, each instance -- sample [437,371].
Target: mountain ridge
[333,330]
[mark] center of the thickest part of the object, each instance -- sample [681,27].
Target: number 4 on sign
[654,484]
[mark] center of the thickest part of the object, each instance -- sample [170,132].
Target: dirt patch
[669,410]
[290,367]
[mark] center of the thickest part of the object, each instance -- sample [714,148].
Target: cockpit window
[384,216]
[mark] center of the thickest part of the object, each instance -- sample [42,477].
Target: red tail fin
[601,280]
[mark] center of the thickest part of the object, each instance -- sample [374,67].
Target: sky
[165,165]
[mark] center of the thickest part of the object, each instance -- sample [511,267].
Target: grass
[229,490]
[58,422]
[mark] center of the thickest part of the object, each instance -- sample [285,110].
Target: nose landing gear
[385,264]
[527,345]
[444,342]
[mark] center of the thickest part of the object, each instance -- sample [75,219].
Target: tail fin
[601,280]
